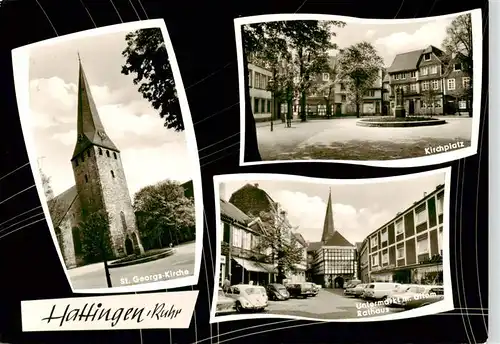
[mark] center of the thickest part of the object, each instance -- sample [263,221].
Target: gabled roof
[337,240]
[300,239]
[314,246]
[232,212]
[90,130]
[251,200]
[405,61]
[65,198]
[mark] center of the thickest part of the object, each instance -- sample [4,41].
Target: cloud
[67,139]
[370,33]
[309,214]
[432,33]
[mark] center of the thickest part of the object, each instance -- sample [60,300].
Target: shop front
[244,270]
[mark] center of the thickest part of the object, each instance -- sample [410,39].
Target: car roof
[248,285]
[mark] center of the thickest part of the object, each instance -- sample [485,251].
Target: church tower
[328,226]
[99,175]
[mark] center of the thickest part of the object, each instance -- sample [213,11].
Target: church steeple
[90,130]
[328,227]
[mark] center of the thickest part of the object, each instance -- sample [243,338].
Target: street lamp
[105,258]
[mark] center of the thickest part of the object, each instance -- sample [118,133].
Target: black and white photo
[375,92]
[298,247]
[112,149]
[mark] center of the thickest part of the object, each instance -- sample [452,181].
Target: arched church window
[114,154]
[124,222]
[83,157]
[88,153]
[107,153]
[112,174]
[76,162]
[86,179]
[100,151]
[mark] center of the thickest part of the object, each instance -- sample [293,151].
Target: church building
[100,184]
[332,261]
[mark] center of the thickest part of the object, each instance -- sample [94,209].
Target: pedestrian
[226,285]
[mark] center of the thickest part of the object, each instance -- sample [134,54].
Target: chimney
[222,191]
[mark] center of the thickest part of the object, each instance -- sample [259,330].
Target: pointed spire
[328,226]
[90,130]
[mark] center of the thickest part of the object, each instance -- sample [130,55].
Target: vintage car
[351,283]
[248,297]
[224,304]
[418,296]
[356,291]
[277,292]
[301,289]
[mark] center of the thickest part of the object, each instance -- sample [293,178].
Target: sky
[393,39]
[150,152]
[358,210]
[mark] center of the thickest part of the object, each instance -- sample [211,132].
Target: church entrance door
[339,282]
[129,246]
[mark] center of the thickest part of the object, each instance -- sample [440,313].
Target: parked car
[380,290]
[417,296]
[248,297]
[356,291]
[276,291]
[314,287]
[318,286]
[224,304]
[300,290]
[351,284]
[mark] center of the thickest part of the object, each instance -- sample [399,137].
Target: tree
[95,238]
[327,90]
[147,58]
[359,67]
[164,209]
[429,98]
[285,252]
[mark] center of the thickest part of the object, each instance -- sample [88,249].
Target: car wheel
[239,308]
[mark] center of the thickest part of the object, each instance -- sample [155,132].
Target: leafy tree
[164,209]
[147,58]
[285,251]
[359,67]
[95,237]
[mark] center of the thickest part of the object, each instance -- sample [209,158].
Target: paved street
[342,139]
[328,304]
[92,276]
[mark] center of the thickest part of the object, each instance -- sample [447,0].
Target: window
[413,74]
[457,67]
[236,237]
[440,205]
[385,258]
[326,76]
[76,162]
[451,84]
[124,222]
[403,76]
[269,106]
[100,151]
[421,216]
[114,155]
[425,86]
[383,236]
[88,153]
[423,246]
[462,105]
[250,78]
[374,241]
[112,174]
[107,153]
[396,76]
[400,252]
[466,82]
[440,241]
[256,80]
[427,57]
[433,69]
[256,105]
[86,179]
[370,93]
[413,87]
[262,106]
[399,226]
[424,71]
[344,98]
[247,240]
[375,260]
[435,84]
[83,157]
[342,87]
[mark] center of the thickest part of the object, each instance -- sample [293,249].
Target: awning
[250,265]
[269,268]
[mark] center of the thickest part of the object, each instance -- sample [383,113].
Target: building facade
[409,248]
[260,97]
[253,202]
[432,83]
[333,261]
[242,258]
[100,184]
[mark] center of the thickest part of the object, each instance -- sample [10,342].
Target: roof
[314,246]
[90,130]
[252,200]
[231,211]
[405,61]
[328,226]
[337,240]
[66,197]
[300,239]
